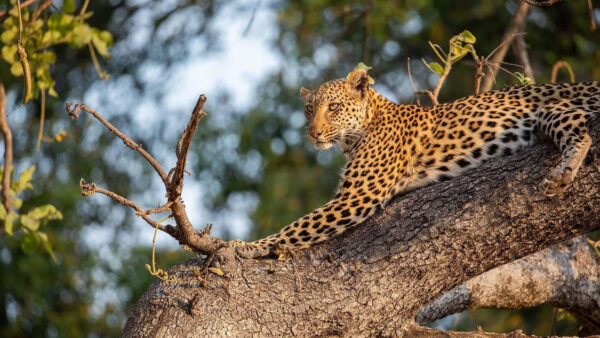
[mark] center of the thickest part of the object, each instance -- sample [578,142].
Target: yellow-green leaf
[50,37]
[468,37]
[44,239]
[24,180]
[16,69]
[29,243]
[2,212]
[361,65]
[45,212]
[30,223]
[9,35]
[69,6]
[435,67]
[8,223]
[9,52]
[82,34]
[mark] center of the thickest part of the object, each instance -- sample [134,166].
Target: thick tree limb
[566,275]
[375,278]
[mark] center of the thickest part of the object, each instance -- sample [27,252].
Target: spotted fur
[393,148]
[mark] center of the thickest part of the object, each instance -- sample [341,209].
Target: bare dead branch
[39,10]
[74,114]
[90,189]
[412,83]
[198,242]
[545,3]
[8,155]
[183,145]
[163,208]
[517,25]
[520,50]
[557,66]
[432,97]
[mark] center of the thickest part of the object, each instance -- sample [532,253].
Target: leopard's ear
[358,82]
[305,94]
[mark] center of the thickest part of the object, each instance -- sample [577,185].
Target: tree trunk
[374,279]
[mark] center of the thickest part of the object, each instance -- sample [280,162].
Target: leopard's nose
[316,134]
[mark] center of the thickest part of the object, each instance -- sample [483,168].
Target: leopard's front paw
[557,182]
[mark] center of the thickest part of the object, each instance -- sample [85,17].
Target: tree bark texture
[374,279]
[566,275]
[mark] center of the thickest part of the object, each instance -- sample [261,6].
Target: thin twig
[433,99]
[183,145]
[74,114]
[8,154]
[42,118]
[592,18]
[23,5]
[39,10]
[90,189]
[541,3]
[163,208]
[520,50]
[412,83]
[516,25]
[557,66]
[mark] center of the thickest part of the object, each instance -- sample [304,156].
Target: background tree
[263,157]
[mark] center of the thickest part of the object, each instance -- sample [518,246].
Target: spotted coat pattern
[393,148]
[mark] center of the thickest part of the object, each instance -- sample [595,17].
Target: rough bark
[566,275]
[374,279]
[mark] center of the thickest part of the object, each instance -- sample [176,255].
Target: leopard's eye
[308,110]
[334,106]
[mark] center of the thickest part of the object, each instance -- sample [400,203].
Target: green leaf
[9,35]
[2,212]
[24,180]
[467,37]
[46,212]
[69,6]
[100,46]
[82,34]
[29,243]
[9,52]
[435,67]
[8,223]
[50,37]
[16,202]
[30,223]
[16,69]
[44,239]
[361,65]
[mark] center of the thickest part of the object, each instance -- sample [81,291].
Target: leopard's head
[337,111]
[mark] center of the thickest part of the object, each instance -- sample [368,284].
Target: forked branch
[199,242]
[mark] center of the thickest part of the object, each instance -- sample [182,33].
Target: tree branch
[8,155]
[517,25]
[199,242]
[372,280]
[566,275]
[74,114]
[545,3]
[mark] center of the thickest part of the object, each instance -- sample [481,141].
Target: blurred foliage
[27,224]
[257,153]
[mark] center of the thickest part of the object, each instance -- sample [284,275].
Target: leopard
[391,148]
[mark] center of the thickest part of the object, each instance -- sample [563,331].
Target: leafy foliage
[27,225]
